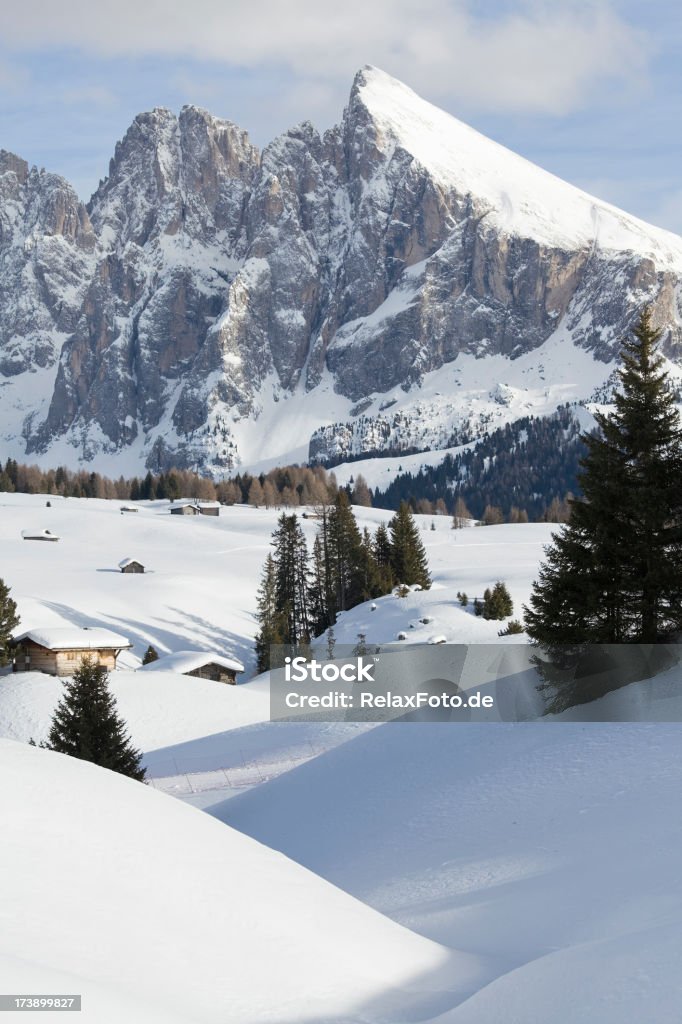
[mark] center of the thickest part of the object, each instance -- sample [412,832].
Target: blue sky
[589,89]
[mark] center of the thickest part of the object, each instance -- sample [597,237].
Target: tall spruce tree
[614,573]
[382,556]
[409,563]
[347,555]
[86,724]
[269,618]
[291,580]
[9,620]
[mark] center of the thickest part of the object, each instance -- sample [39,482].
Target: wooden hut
[187,509]
[202,664]
[195,508]
[131,565]
[60,650]
[209,508]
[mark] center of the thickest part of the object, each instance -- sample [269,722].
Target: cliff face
[213,305]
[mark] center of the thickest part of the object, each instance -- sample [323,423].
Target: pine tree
[381,548]
[291,581]
[347,556]
[408,557]
[150,655]
[9,620]
[331,643]
[86,724]
[614,573]
[268,615]
[497,603]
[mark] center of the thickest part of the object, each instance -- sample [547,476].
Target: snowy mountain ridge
[215,307]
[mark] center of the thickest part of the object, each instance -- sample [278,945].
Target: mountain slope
[143,902]
[369,289]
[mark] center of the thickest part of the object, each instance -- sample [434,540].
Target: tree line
[287,486]
[530,466]
[303,591]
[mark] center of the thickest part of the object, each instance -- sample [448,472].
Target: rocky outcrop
[209,292]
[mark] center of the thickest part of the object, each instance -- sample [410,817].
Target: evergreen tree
[86,724]
[268,615]
[408,557]
[172,486]
[382,556]
[150,655]
[291,580]
[347,555]
[321,603]
[9,620]
[497,603]
[331,643]
[372,577]
[614,573]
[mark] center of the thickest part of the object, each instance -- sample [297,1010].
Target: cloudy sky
[589,89]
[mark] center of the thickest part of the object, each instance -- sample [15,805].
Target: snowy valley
[321,872]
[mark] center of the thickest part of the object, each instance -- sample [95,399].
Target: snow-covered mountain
[400,282]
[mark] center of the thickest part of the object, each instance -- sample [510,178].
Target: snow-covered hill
[396,283]
[519,872]
[553,848]
[154,911]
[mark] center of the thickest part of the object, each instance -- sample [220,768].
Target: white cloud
[543,57]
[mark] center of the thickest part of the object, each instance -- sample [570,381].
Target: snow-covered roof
[128,561]
[68,638]
[189,661]
[195,503]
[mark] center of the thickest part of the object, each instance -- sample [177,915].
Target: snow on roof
[128,561]
[194,503]
[189,661]
[67,638]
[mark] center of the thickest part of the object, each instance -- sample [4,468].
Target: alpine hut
[202,664]
[60,650]
[131,565]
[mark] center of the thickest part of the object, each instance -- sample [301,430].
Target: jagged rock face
[46,260]
[207,285]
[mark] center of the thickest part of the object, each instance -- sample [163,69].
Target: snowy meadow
[465,873]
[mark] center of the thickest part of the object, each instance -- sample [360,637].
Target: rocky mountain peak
[214,306]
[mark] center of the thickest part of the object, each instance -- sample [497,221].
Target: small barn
[202,664]
[60,650]
[185,510]
[196,508]
[131,565]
